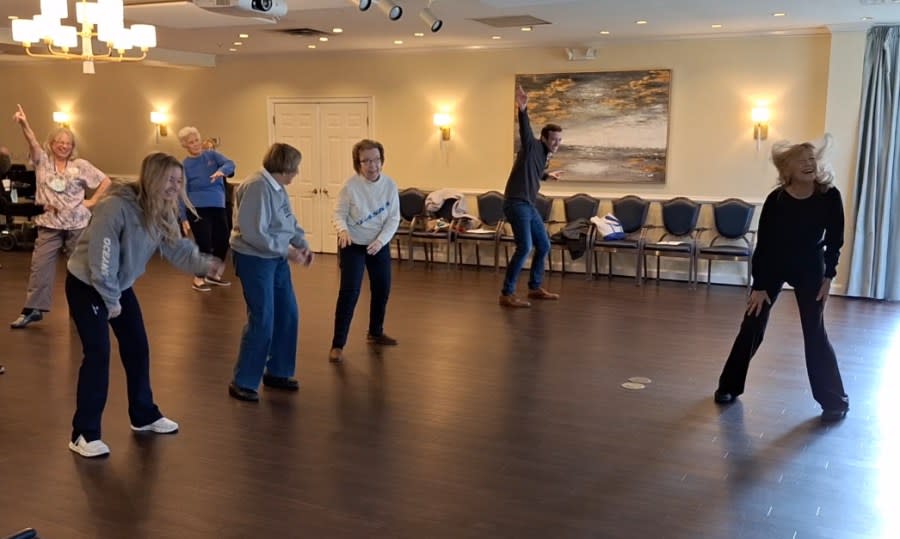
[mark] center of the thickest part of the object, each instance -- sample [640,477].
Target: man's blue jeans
[269,340]
[529,231]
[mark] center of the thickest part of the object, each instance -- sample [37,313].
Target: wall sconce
[443,120]
[160,120]
[760,116]
[63,119]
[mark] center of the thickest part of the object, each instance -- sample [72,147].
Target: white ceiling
[182,26]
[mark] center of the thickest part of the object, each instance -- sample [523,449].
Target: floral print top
[62,193]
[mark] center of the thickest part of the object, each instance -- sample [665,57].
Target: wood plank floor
[483,422]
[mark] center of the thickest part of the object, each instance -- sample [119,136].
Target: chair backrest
[580,206]
[490,207]
[544,206]
[732,217]
[412,203]
[631,211]
[680,216]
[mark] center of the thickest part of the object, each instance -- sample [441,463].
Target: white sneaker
[89,449]
[162,425]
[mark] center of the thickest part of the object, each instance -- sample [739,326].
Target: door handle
[325,190]
[315,191]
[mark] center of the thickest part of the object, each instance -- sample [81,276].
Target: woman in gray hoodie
[132,223]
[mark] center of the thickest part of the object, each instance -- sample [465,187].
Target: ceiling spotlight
[430,20]
[363,4]
[391,9]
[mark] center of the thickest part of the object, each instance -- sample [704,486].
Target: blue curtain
[875,265]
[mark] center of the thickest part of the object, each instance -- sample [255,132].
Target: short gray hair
[185,132]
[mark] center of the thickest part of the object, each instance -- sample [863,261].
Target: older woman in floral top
[61,182]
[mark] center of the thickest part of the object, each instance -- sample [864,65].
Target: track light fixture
[390,8]
[431,21]
[364,5]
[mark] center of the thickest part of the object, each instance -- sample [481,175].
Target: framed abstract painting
[615,123]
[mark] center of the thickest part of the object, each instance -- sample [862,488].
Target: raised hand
[521,98]
[19,116]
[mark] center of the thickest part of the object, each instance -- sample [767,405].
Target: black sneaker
[830,416]
[216,282]
[281,382]
[721,397]
[24,319]
[242,393]
[381,340]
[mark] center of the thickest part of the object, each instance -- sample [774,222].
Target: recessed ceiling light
[527,28]
[496,37]
[475,47]
[866,19]
[232,50]
[640,22]
[398,42]
[604,32]
[323,39]
[778,14]
[337,30]
[418,34]
[310,46]
[238,43]
[243,36]
[716,26]
[777,32]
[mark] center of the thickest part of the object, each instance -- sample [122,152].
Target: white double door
[324,131]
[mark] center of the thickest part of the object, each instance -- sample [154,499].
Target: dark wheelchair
[17,228]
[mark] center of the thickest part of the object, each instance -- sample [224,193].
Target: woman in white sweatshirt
[366,217]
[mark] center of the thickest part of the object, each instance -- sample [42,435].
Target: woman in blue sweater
[801,231]
[205,172]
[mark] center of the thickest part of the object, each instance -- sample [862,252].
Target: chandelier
[103,19]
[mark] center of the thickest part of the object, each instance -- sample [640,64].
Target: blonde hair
[185,132]
[784,152]
[51,136]
[160,216]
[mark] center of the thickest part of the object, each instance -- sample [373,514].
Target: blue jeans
[529,231]
[269,340]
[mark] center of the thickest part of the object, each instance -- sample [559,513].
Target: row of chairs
[679,235]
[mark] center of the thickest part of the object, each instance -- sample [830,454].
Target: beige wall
[715,83]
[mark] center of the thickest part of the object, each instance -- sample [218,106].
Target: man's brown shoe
[512,301]
[336,355]
[540,293]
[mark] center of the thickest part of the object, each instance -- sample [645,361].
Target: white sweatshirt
[369,211]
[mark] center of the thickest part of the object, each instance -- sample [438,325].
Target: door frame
[273,102]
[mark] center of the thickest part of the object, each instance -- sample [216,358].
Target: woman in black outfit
[801,231]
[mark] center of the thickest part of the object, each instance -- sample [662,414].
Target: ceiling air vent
[512,21]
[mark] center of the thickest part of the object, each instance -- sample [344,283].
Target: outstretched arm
[33,145]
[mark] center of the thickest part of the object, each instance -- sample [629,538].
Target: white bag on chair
[609,227]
